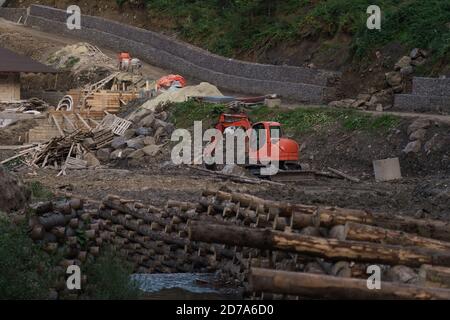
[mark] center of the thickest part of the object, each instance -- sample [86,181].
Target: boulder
[116,154]
[149,141]
[415,53]
[419,124]
[126,152]
[119,143]
[363,96]
[405,61]
[235,170]
[103,154]
[14,195]
[91,160]
[139,115]
[401,274]
[405,71]
[138,154]
[143,131]
[418,135]
[413,147]
[129,133]
[418,62]
[147,121]
[151,150]
[136,143]
[88,142]
[358,103]
[393,78]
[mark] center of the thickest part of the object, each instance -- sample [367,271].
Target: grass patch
[295,121]
[39,191]
[109,278]
[232,27]
[71,61]
[25,271]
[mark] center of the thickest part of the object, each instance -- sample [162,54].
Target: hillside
[328,34]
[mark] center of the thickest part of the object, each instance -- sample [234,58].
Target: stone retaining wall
[301,84]
[428,95]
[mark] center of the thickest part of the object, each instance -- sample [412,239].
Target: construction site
[91,120]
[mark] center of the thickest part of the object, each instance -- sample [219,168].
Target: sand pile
[203,89]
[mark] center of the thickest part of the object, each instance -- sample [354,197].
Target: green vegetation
[109,278]
[39,192]
[294,121]
[25,271]
[71,61]
[230,27]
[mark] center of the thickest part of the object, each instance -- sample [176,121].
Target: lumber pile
[250,240]
[273,249]
[67,230]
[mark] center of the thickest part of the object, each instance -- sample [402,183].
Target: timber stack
[278,250]
[69,231]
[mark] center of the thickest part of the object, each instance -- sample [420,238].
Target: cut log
[319,247]
[331,216]
[361,232]
[324,286]
[438,276]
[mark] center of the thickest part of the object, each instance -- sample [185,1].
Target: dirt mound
[203,89]
[13,194]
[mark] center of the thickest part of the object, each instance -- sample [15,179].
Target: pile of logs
[272,249]
[67,230]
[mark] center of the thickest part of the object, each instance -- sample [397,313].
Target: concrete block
[387,169]
[272,103]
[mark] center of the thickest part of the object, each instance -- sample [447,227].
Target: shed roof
[13,62]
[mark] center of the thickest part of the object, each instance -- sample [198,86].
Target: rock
[435,143]
[126,152]
[403,62]
[129,133]
[418,135]
[139,115]
[379,107]
[393,78]
[14,195]
[363,96]
[398,89]
[143,131]
[88,142]
[160,134]
[235,170]
[162,116]
[413,146]
[91,159]
[383,97]
[405,71]
[401,274]
[345,103]
[418,62]
[358,103]
[424,53]
[149,141]
[147,121]
[387,169]
[116,155]
[136,143]
[418,124]
[151,150]
[103,154]
[119,143]
[138,154]
[415,53]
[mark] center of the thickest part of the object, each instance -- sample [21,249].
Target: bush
[25,271]
[109,278]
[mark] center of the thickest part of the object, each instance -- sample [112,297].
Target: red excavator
[266,143]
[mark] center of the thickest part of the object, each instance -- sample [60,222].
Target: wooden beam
[331,249]
[324,286]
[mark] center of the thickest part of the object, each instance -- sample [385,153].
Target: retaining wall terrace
[428,95]
[302,84]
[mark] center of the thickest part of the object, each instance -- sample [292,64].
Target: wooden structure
[11,67]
